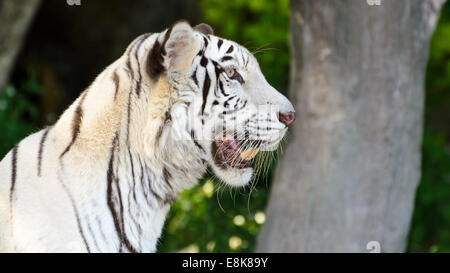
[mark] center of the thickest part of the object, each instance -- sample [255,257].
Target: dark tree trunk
[15,17]
[350,173]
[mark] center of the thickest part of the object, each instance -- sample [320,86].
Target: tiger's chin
[233,176]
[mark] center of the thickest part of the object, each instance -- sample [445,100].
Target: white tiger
[102,178]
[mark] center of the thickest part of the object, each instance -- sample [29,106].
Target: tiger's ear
[181,47]
[204,28]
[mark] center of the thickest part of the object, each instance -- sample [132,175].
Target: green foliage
[430,229]
[214,218]
[18,111]
[438,69]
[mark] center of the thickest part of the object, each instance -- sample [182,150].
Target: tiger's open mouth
[233,153]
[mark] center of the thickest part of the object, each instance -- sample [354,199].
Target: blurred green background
[214,218]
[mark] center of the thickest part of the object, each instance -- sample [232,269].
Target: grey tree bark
[350,173]
[15,17]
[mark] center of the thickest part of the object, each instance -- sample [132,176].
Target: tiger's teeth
[249,153]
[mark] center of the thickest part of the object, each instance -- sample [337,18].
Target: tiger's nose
[286,118]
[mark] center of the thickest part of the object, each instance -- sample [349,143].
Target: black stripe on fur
[41,150]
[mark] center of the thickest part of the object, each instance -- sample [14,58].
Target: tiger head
[226,106]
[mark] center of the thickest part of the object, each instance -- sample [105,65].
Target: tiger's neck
[125,138]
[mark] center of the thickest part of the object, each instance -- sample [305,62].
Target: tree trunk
[15,17]
[350,173]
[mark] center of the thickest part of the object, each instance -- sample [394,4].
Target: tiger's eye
[231,72]
[234,75]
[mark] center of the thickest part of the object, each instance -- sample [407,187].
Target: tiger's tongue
[231,144]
